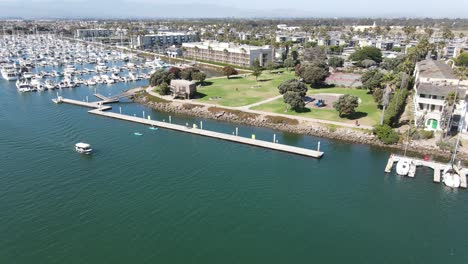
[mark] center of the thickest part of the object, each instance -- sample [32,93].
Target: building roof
[438,90]
[435,69]
[220,46]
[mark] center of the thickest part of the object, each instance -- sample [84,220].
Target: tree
[409,31]
[293,85]
[462,59]
[175,71]
[228,71]
[447,33]
[313,73]
[294,100]
[294,55]
[367,63]
[346,105]
[372,80]
[256,64]
[199,76]
[335,62]
[367,53]
[429,31]
[289,62]
[314,54]
[164,89]
[257,71]
[160,77]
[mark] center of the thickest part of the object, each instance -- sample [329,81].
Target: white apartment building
[162,39]
[229,53]
[434,80]
[94,33]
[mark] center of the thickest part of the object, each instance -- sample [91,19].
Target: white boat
[23,86]
[403,167]
[101,66]
[70,70]
[83,148]
[451,177]
[50,85]
[9,72]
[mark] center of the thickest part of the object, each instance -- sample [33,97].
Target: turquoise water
[169,197]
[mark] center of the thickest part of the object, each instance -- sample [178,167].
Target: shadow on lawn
[264,80]
[356,115]
[198,95]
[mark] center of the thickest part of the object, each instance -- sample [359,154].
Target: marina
[415,162]
[47,62]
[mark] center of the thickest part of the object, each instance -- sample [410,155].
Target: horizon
[242,9]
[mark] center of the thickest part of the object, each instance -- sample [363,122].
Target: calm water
[168,197]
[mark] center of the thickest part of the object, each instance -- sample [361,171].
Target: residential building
[94,33]
[229,53]
[162,39]
[434,80]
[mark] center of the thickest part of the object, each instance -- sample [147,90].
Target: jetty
[436,166]
[98,105]
[100,110]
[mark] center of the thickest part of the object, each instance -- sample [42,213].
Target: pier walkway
[436,166]
[100,109]
[97,105]
[212,134]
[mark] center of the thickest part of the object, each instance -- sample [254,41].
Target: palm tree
[452,98]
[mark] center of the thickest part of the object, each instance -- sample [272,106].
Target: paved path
[246,109]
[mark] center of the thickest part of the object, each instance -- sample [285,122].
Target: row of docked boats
[35,84]
[19,55]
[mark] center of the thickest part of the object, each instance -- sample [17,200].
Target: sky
[231,8]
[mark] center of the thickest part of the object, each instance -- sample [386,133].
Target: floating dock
[212,134]
[100,109]
[436,166]
[97,105]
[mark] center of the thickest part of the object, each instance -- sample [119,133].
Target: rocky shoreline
[350,135]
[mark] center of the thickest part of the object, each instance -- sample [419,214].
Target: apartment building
[94,33]
[162,39]
[434,80]
[229,53]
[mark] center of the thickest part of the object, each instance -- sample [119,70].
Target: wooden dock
[212,134]
[436,166]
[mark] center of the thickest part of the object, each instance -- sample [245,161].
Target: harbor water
[170,197]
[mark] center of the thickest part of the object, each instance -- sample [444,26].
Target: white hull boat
[403,167]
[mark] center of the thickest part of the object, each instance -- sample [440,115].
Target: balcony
[438,102]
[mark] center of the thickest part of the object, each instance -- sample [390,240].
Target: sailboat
[403,164]
[451,174]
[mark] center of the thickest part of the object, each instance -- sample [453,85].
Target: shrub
[386,134]
[164,89]
[426,134]
[395,107]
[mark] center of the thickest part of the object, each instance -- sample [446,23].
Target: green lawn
[368,113]
[242,91]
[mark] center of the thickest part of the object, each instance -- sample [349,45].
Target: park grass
[367,112]
[241,91]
